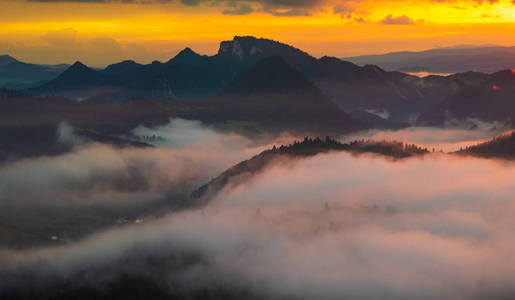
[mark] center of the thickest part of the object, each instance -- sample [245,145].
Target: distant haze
[444,61]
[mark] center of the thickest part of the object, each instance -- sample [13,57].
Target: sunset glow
[45,32]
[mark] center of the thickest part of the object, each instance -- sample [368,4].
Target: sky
[100,32]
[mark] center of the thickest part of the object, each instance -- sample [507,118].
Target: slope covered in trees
[502,146]
[306,148]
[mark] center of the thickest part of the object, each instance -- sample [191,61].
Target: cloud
[242,9]
[398,20]
[231,7]
[186,152]
[447,140]
[61,38]
[332,226]
[345,10]
[96,185]
[67,46]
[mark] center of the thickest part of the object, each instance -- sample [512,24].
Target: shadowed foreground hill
[308,147]
[502,146]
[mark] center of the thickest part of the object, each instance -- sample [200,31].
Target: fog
[440,139]
[330,226]
[185,154]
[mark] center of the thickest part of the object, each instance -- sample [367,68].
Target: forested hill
[502,146]
[299,149]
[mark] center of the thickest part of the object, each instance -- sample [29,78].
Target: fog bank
[332,226]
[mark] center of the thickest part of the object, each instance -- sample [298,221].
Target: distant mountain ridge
[478,96]
[190,75]
[451,60]
[405,99]
[15,74]
[6,59]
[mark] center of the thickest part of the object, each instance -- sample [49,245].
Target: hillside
[502,146]
[275,96]
[15,74]
[245,170]
[488,98]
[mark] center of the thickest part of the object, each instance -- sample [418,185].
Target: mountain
[6,59]
[117,82]
[485,59]
[77,75]
[477,97]
[401,98]
[276,96]
[190,75]
[245,170]
[15,74]
[78,82]
[122,67]
[29,125]
[189,57]
[270,97]
[502,146]
[350,86]
[376,121]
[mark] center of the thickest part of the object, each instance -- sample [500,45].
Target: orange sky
[99,32]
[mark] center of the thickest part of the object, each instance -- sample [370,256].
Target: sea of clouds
[331,226]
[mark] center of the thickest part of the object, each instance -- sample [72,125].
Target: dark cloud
[242,9]
[477,2]
[397,20]
[232,7]
[80,1]
[345,10]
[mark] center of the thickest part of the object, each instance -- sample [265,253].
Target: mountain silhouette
[486,59]
[6,59]
[189,57]
[191,75]
[122,67]
[477,96]
[276,95]
[354,89]
[15,74]
[78,76]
